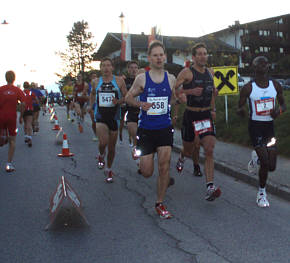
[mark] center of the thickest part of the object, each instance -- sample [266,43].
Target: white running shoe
[212,193]
[9,168]
[262,200]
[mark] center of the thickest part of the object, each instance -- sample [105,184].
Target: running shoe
[162,211]
[179,165]
[9,168]
[26,140]
[131,143]
[197,172]
[29,143]
[95,139]
[262,200]
[81,129]
[212,193]
[109,176]
[135,153]
[101,162]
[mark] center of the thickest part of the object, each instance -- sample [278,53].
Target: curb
[239,174]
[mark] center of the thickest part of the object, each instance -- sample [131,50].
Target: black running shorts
[27,113]
[36,108]
[261,132]
[196,123]
[111,123]
[149,140]
[132,116]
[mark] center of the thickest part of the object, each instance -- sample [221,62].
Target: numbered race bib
[106,99]
[159,107]
[264,106]
[79,94]
[202,126]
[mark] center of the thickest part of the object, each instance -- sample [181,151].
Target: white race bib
[159,107]
[264,106]
[202,126]
[80,94]
[106,99]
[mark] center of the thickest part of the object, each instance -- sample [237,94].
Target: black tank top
[203,80]
[129,82]
[110,110]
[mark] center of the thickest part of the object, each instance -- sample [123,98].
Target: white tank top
[261,101]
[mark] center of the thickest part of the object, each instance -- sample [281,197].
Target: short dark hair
[10,76]
[106,59]
[155,43]
[26,85]
[132,62]
[197,46]
[259,57]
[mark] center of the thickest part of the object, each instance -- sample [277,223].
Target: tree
[79,54]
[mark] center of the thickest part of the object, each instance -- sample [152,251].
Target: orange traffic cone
[65,149]
[56,125]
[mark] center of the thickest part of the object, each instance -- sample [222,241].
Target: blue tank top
[104,106]
[158,116]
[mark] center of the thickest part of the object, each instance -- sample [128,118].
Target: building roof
[112,43]
[249,24]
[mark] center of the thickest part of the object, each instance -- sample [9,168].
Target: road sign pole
[226,108]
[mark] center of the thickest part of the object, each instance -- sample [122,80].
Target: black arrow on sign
[225,80]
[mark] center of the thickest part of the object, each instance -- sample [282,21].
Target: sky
[37,29]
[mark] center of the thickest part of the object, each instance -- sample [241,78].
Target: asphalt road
[123,223]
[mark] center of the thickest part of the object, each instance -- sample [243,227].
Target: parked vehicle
[284,83]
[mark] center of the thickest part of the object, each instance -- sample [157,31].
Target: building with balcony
[269,37]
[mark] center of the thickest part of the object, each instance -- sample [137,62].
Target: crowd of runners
[147,100]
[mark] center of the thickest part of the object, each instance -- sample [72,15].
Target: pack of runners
[144,100]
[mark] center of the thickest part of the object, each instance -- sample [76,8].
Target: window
[280,21]
[279,34]
[264,49]
[264,32]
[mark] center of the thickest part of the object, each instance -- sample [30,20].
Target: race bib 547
[106,99]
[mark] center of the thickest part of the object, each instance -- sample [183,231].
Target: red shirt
[9,97]
[29,99]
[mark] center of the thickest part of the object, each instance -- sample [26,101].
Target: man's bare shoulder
[185,73]
[140,77]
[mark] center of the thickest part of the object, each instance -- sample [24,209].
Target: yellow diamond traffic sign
[226,80]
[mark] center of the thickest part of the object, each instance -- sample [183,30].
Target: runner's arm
[282,106]
[244,94]
[93,93]
[136,89]
[123,89]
